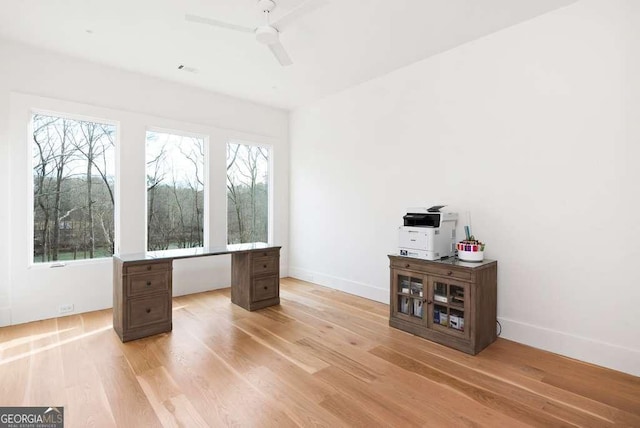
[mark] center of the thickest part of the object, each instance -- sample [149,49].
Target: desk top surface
[183,253]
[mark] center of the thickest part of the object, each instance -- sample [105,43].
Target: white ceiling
[344,43]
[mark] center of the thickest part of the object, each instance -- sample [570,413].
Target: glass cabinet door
[450,303]
[410,296]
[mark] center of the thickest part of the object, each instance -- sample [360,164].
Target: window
[247,193]
[73,185]
[175,191]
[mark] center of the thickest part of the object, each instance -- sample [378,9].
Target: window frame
[206,175]
[30,187]
[270,183]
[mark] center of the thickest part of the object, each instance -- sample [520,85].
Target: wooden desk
[142,285]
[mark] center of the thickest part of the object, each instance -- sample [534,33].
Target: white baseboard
[5,316]
[581,348]
[352,287]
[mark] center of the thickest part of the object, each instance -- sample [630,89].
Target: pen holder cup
[470,252]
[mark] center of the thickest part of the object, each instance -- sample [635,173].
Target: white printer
[428,233]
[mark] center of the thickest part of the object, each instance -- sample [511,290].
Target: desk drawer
[147,283]
[266,253]
[268,264]
[451,273]
[145,311]
[147,267]
[264,288]
[432,269]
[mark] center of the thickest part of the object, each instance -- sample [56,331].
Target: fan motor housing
[267,35]
[266,5]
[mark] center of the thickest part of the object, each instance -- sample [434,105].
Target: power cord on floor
[499,325]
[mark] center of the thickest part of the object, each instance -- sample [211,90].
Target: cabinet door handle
[407,265]
[428,302]
[264,266]
[149,267]
[265,254]
[148,283]
[148,310]
[265,287]
[449,273]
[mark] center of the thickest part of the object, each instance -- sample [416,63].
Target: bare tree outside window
[175,191]
[247,193]
[73,182]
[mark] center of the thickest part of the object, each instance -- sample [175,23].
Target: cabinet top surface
[183,253]
[451,261]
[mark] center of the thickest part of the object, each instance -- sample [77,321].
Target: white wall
[69,85]
[535,131]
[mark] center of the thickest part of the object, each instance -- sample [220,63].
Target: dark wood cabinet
[141,298]
[257,282]
[450,302]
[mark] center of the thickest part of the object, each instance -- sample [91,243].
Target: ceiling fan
[268,33]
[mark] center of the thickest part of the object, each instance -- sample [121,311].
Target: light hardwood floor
[321,358]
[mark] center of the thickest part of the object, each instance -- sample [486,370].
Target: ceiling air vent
[187,68]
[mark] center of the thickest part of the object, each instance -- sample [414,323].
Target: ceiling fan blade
[216,23]
[305,8]
[281,55]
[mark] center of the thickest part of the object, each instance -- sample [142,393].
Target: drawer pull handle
[265,254]
[407,265]
[149,267]
[449,273]
[264,266]
[265,287]
[148,283]
[148,310]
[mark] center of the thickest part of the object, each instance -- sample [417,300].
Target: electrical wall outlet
[65,309]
